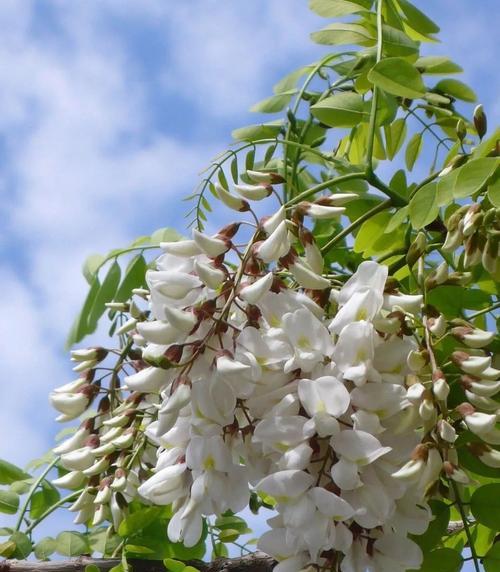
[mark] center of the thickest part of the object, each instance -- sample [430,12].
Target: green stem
[32,490]
[324,185]
[373,111]
[295,108]
[397,200]
[466,525]
[348,229]
[428,179]
[484,311]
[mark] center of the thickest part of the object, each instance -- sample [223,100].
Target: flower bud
[271,223]
[183,248]
[491,254]
[234,203]
[85,365]
[254,192]
[474,365]
[212,246]
[71,480]
[275,246]
[85,499]
[440,387]
[461,129]
[446,431]
[453,240]
[306,277]
[84,515]
[437,276]
[417,360]
[336,200]
[473,337]
[267,178]
[209,275]
[486,454]
[100,515]
[417,248]
[71,405]
[129,325]
[97,468]
[437,325]
[480,121]
[253,292]
[453,472]
[320,212]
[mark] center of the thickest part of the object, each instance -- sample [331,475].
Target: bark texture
[257,562]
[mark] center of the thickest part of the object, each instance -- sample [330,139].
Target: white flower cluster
[259,375]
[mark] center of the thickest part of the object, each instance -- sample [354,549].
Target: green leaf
[342,33]
[290,80]
[482,537]
[174,565]
[43,499]
[474,175]
[485,505]
[494,193]
[80,326]
[9,502]
[417,19]
[220,551]
[397,219]
[91,266]
[135,277]
[371,239]
[70,543]
[231,522]
[21,487]
[9,473]
[397,43]
[275,103]
[105,294]
[329,9]
[437,527]
[340,110]
[395,134]
[92,568]
[423,207]
[139,520]
[7,548]
[456,89]
[413,150]
[438,65]
[452,300]
[397,76]
[45,547]
[260,131]
[23,545]
[491,561]
[228,535]
[165,234]
[441,560]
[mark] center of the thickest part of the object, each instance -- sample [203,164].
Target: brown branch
[256,562]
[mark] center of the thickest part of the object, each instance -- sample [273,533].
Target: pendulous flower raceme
[253,371]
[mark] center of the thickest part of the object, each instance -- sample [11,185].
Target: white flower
[166,485]
[308,337]
[253,292]
[148,380]
[275,246]
[323,395]
[212,246]
[71,405]
[354,352]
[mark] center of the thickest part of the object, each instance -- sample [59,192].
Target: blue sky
[109,109]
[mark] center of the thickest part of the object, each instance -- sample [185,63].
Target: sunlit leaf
[397,76]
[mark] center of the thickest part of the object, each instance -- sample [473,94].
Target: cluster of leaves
[142,534]
[342,116]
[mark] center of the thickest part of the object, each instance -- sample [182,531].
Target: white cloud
[225,52]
